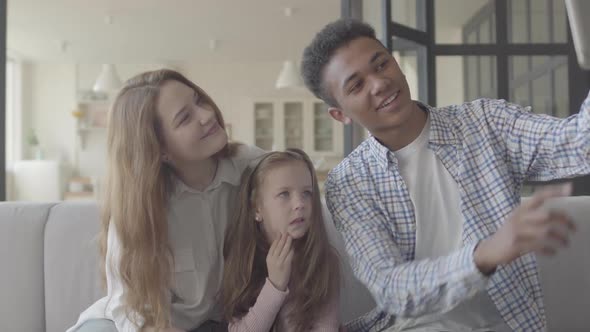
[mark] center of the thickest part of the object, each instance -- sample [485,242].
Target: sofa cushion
[21,254]
[355,299]
[72,277]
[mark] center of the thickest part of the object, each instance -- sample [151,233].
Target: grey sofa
[48,255]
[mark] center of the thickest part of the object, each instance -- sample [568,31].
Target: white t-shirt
[439,228]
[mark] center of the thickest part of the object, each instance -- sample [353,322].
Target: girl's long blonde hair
[316,263]
[136,194]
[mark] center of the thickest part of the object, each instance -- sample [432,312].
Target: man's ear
[337,114]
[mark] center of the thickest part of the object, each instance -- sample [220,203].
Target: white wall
[27,106]
[449,80]
[409,66]
[90,158]
[50,98]
[373,16]
[235,86]
[450,19]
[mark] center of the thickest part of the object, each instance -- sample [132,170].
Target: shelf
[305,124]
[92,129]
[85,131]
[265,144]
[84,195]
[93,102]
[91,97]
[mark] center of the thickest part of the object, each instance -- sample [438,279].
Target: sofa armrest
[22,228]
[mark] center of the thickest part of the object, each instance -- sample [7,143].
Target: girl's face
[284,200]
[189,125]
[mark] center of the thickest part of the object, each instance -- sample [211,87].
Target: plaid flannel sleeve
[542,147]
[401,288]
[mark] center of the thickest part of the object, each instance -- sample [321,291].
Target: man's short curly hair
[323,46]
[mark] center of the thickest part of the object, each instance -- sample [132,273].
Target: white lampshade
[107,80]
[289,76]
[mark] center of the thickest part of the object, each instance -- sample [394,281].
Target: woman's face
[189,125]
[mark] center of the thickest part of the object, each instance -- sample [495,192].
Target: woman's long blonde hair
[316,263]
[136,194]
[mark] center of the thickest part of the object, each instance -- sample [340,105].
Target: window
[13,110]
[518,50]
[13,113]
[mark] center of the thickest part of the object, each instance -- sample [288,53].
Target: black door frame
[3,14]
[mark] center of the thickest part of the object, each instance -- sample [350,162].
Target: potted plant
[34,143]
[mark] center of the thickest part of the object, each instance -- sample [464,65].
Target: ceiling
[455,13]
[168,31]
[164,31]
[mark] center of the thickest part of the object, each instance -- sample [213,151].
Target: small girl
[280,273]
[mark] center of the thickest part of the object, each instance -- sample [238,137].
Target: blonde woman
[172,182]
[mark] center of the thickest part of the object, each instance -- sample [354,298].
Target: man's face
[369,87]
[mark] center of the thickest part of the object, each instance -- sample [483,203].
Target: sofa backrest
[22,226]
[50,258]
[50,268]
[72,277]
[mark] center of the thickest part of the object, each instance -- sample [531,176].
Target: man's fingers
[538,198]
[565,188]
[537,218]
[544,228]
[547,251]
[542,217]
[558,234]
[549,191]
[562,218]
[554,235]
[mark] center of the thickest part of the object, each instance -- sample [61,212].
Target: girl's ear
[166,159]
[257,214]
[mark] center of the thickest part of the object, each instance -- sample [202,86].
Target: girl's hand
[278,262]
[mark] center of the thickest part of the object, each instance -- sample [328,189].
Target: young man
[429,205]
